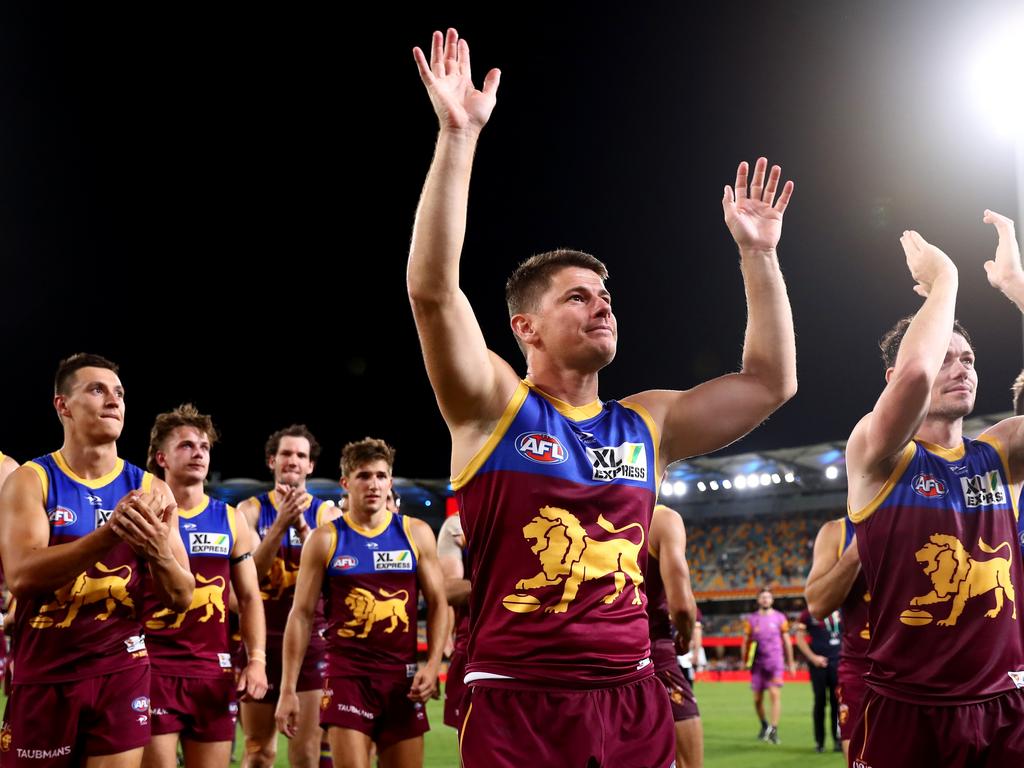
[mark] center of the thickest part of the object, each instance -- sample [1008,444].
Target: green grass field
[730,730]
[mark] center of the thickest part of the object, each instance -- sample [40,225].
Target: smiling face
[572,323]
[292,463]
[185,456]
[92,405]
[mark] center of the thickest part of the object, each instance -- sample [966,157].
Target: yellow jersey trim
[333,532]
[949,454]
[147,482]
[574,412]
[99,482]
[998,447]
[232,523]
[842,537]
[655,438]
[43,478]
[368,532]
[320,512]
[407,527]
[188,514]
[514,404]
[2,457]
[883,493]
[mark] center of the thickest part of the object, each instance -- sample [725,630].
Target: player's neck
[88,461]
[573,387]
[948,433]
[366,518]
[187,494]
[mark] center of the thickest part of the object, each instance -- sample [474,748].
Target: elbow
[816,608]
[179,597]
[24,588]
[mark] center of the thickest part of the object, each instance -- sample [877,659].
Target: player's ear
[888,374]
[523,327]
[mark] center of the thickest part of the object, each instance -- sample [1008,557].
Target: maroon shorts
[680,693]
[199,708]
[60,724]
[455,690]
[507,726]
[310,675]
[895,733]
[378,706]
[850,694]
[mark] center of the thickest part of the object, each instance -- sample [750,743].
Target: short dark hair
[295,430]
[1018,391]
[890,343]
[361,452]
[186,415]
[533,276]
[69,366]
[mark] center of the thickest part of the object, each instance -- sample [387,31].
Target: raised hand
[926,262]
[449,83]
[1004,272]
[754,216]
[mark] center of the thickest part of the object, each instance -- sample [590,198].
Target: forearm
[805,649]
[1014,290]
[252,623]
[296,640]
[924,346]
[265,552]
[172,582]
[769,345]
[457,591]
[789,649]
[827,592]
[440,225]
[437,631]
[48,568]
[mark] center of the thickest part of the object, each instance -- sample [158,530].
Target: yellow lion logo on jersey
[278,580]
[957,576]
[367,610]
[86,590]
[209,597]
[569,554]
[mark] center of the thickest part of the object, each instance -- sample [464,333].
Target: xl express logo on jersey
[541,448]
[627,461]
[392,560]
[206,543]
[983,490]
[928,486]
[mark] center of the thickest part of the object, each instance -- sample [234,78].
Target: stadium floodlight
[997,79]
[427,503]
[831,473]
[790,477]
[726,484]
[740,482]
[753,481]
[766,479]
[701,487]
[679,488]
[666,488]
[775,478]
[714,485]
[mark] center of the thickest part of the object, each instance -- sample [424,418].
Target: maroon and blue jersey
[370,598]
[91,626]
[856,623]
[195,643]
[556,507]
[938,549]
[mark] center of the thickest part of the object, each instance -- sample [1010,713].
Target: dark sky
[221,200]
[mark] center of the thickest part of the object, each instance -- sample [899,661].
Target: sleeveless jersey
[854,610]
[277,588]
[90,626]
[556,507]
[370,598]
[195,643]
[938,548]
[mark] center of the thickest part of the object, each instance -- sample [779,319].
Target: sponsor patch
[224,659]
[44,754]
[135,643]
[345,563]
[392,560]
[102,516]
[627,461]
[293,538]
[62,516]
[206,543]
[928,486]
[983,490]
[1017,677]
[643,663]
[233,708]
[355,710]
[143,720]
[141,704]
[541,447]
[189,526]
[410,670]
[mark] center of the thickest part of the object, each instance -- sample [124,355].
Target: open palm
[753,216]
[449,83]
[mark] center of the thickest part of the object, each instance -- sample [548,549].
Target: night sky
[221,201]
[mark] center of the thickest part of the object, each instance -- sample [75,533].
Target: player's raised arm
[718,412]
[471,383]
[831,576]
[876,442]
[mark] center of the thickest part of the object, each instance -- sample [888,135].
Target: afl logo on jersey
[928,486]
[345,562]
[62,516]
[541,448]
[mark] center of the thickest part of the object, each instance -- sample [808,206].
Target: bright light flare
[996,80]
